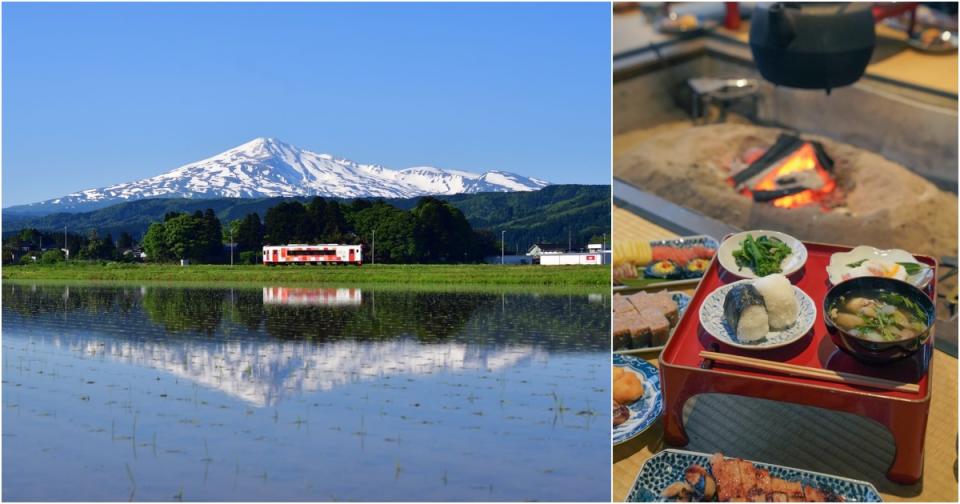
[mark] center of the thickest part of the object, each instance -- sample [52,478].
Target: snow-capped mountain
[267,167]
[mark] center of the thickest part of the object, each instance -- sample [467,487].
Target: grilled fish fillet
[739,480]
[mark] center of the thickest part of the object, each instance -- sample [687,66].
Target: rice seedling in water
[133,483]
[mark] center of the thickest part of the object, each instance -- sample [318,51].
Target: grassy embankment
[460,274]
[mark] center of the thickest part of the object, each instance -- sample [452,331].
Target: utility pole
[66,249]
[502,234]
[231,255]
[373,248]
[569,240]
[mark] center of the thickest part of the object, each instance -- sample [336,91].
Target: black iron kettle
[812,45]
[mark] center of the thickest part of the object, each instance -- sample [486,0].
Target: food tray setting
[685,373]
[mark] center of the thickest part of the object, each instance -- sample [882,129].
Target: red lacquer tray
[903,413]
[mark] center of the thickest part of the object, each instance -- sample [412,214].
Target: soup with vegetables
[879,315]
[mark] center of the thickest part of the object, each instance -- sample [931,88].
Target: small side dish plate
[852,264]
[683,301]
[944,43]
[790,264]
[713,321]
[645,281]
[668,466]
[646,410]
[673,24]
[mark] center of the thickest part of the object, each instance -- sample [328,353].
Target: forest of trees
[433,231]
[197,237]
[84,247]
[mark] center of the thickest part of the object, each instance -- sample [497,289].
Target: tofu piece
[641,336]
[639,300]
[622,339]
[658,325]
[621,304]
[662,301]
[631,329]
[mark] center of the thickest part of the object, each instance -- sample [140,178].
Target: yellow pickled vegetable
[636,252]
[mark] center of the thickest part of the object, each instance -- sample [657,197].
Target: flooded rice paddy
[169,393]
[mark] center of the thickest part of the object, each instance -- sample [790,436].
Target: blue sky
[98,94]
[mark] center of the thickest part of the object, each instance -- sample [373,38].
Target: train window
[311,252]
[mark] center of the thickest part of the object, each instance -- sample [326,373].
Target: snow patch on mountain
[267,167]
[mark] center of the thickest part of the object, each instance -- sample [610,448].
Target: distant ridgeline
[555,214]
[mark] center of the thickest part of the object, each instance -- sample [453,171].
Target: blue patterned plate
[683,301]
[712,319]
[646,410]
[667,467]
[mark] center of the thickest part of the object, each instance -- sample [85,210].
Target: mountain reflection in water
[253,394]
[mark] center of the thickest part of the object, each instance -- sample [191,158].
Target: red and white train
[305,296]
[313,254]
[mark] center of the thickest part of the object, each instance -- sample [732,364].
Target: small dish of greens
[755,254]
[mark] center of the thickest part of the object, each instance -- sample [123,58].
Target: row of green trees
[433,231]
[48,246]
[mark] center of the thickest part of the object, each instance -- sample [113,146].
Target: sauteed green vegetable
[762,255]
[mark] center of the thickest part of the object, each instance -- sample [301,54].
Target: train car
[313,254]
[305,296]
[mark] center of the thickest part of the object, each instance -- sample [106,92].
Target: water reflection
[574,322]
[312,296]
[262,374]
[255,394]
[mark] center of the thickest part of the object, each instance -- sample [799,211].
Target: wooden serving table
[800,435]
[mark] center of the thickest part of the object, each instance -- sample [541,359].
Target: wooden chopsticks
[638,351]
[809,372]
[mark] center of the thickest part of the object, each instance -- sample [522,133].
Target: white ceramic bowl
[790,264]
[839,269]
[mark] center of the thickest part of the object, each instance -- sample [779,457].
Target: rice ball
[777,292]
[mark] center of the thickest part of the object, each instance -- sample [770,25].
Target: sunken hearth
[811,187]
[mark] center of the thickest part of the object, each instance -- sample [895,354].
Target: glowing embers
[790,174]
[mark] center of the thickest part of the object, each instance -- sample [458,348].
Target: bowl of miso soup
[878,320]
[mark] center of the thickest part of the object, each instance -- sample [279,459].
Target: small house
[539,249]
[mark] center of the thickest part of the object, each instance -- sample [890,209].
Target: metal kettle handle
[781,25]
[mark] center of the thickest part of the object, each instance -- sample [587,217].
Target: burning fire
[800,162]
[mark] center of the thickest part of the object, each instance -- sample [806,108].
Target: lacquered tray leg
[908,424]
[674,397]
